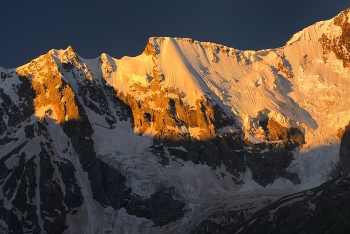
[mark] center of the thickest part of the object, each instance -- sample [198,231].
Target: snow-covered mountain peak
[332,29]
[294,85]
[343,17]
[64,55]
[185,130]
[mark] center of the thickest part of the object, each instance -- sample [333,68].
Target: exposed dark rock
[17,112]
[344,152]
[3,126]
[268,166]
[6,140]
[325,209]
[67,66]
[73,197]
[221,119]
[26,94]
[20,186]
[14,225]
[159,151]
[10,184]
[277,153]
[25,193]
[226,149]
[80,131]
[221,220]
[123,111]
[231,149]
[93,97]
[15,116]
[29,131]
[161,207]
[116,192]
[52,209]
[4,170]
[164,208]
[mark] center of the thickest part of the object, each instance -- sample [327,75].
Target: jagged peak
[70,49]
[343,16]
[108,65]
[106,57]
[331,26]
[64,55]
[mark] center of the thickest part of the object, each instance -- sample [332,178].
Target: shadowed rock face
[269,160]
[108,185]
[39,175]
[344,152]
[324,209]
[230,218]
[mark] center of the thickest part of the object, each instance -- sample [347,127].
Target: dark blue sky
[31,28]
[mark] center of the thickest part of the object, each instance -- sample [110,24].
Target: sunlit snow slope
[292,84]
[304,84]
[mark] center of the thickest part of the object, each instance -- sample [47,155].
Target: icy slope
[293,84]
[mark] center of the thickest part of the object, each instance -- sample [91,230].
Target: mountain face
[188,137]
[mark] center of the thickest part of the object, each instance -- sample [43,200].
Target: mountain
[188,137]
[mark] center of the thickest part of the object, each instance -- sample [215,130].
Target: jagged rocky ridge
[324,209]
[187,137]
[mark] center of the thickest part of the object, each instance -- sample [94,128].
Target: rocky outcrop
[15,112]
[225,149]
[290,136]
[163,207]
[53,96]
[272,164]
[269,160]
[339,45]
